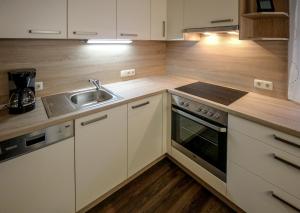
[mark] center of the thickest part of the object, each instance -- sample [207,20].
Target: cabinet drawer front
[265,161]
[253,194]
[266,135]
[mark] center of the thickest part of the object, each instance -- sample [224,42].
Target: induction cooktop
[219,94]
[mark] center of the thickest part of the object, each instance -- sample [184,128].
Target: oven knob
[204,111]
[199,109]
[181,103]
[210,113]
[217,116]
[186,104]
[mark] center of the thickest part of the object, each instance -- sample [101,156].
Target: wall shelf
[259,15]
[264,25]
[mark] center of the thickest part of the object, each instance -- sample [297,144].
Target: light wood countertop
[276,113]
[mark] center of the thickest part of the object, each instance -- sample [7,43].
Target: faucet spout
[96,83]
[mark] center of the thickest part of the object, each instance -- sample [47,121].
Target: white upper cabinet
[210,13]
[92,19]
[33,19]
[133,19]
[175,19]
[158,19]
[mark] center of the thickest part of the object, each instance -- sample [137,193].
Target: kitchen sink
[88,98]
[65,103]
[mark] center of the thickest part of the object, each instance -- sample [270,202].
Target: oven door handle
[198,120]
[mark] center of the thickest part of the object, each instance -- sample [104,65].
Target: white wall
[294,52]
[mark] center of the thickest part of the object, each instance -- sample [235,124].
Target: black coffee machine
[21,90]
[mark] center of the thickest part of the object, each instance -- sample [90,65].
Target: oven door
[201,140]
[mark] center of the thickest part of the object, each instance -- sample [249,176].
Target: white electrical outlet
[261,84]
[39,86]
[127,73]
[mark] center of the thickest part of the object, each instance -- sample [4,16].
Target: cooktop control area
[218,94]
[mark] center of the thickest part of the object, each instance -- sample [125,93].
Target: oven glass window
[202,141]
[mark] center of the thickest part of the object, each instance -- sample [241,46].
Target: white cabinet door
[145,134]
[100,154]
[210,13]
[92,19]
[133,19]
[158,19]
[41,181]
[33,19]
[175,19]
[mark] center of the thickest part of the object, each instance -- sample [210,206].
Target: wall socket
[261,84]
[127,73]
[39,86]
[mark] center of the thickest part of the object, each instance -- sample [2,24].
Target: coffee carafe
[21,90]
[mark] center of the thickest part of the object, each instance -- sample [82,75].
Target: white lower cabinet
[145,132]
[100,154]
[253,194]
[40,181]
[262,168]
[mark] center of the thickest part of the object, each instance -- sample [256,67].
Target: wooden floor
[162,188]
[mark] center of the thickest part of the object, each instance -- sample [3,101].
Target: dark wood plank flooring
[162,188]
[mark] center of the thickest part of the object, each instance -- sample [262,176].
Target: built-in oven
[200,132]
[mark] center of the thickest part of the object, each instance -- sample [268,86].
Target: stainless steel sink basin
[88,98]
[65,103]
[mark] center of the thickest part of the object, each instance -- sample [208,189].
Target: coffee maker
[21,90]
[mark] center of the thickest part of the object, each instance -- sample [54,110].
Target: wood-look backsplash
[65,65]
[230,62]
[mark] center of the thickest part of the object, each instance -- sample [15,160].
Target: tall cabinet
[33,19]
[92,19]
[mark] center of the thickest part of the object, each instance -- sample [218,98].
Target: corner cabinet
[100,154]
[145,132]
[92,19]
[210,13]
[175,19]
[133,19]
[158,19]
[33,19]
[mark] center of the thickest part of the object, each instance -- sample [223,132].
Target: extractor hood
[220,29]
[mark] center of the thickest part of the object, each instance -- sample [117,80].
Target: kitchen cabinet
[210,13]
[100,154]
[145,132]
[158,19]
[40,181]
[268,160]
[133,19]
[92,19]
[33,19]
[175,19]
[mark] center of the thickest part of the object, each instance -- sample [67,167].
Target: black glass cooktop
[222,95]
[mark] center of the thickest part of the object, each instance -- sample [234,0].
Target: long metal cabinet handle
[44,32]
[198,120]
[140,105]
[294,144]
[164,29]
[94,120]
[84,33]
[286,161]
[129,34]
[221,21]
[284,201]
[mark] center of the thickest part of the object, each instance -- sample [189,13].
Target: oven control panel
[201,109]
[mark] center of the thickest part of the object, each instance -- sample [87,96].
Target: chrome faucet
[96,83]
